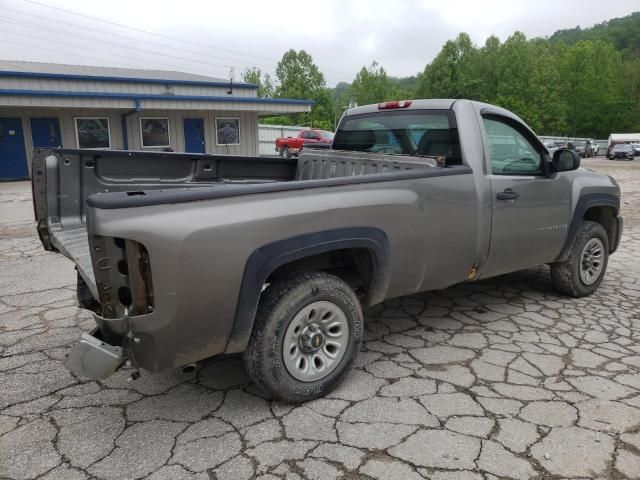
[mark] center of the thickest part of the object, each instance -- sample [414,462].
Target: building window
[155,132]
[227,131]
[93,132]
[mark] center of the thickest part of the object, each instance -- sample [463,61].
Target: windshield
[413,132]
[326,135]
[622,147]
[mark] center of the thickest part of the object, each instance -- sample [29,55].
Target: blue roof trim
[103,78]
[152,96]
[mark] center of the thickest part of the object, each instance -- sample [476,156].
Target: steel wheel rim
[591,261]
[315,341]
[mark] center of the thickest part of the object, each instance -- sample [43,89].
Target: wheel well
[604,215]
[353,265]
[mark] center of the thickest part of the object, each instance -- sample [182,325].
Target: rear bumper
[98,354]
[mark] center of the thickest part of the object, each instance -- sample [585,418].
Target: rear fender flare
[266,259]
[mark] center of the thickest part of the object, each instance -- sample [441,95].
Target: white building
[71,106]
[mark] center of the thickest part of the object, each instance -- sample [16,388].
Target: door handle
[508,194]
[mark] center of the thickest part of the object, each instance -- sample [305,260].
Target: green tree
[340,93]
[549,111]
[450,75]
[486,70]
[404,87]
[581,89]
[322,113]
[371,85]
[594,90]
[623,33]
[299,77]
[631,79]
[515,69]
[254,75]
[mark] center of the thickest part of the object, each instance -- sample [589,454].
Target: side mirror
[565,160]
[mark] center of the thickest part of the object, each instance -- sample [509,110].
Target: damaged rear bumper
[92,357]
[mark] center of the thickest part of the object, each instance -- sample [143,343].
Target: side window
[511,153]
[309,135]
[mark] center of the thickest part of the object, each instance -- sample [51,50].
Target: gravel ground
[500,378]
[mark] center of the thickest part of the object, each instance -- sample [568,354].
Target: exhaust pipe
[189,368]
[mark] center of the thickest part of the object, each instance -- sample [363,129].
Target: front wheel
[581,273]
[306,336]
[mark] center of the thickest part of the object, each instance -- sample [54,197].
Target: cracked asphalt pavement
[501,378]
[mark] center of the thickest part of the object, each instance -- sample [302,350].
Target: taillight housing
[123,276]
[394,104]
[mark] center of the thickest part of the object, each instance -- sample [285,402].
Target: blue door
[194,135]
[13,154]
[45,133]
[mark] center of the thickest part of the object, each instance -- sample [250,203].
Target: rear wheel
[306,336]
[285,152]
[582,272]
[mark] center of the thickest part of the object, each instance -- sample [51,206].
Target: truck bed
[74,244]
[63,181]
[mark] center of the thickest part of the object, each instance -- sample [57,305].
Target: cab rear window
[431,133]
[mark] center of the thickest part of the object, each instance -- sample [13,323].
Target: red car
[288,146]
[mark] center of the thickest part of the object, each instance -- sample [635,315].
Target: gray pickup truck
[182,257]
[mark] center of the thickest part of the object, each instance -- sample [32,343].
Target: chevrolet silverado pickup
[290,146]
[185,256]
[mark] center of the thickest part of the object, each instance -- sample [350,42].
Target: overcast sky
[208,37]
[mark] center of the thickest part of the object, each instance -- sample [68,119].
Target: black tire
[285,152]
[279,305]
[565,276]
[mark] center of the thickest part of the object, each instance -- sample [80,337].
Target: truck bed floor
[74,244]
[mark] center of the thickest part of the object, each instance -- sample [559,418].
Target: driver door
[530,211]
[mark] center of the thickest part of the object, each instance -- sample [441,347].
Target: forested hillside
[584,89]
[623,33]
[578,82]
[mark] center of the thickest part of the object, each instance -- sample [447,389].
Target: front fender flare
[586,202]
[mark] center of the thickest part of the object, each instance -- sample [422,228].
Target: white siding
[114,103]
[248,127]
[66,108]
[248,130]
[59,85]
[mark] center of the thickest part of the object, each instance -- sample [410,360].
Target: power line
[39,48]
[92,58]
[48,40]
[84,47]
[92,29]
[71,12]
[129,47]
[160,35]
